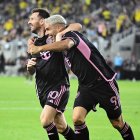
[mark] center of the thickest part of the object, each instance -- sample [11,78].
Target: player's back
[86,61]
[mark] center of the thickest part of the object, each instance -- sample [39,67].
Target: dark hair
[44,13]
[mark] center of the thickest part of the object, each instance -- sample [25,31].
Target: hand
[30,41]
[32,49]
[31,64]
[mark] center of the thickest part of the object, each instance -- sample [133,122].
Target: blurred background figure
[2,63]
[118,64]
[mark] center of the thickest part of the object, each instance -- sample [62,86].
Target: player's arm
[71,27]
[31,65]
[56,46]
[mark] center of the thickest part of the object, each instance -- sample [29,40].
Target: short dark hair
[44,13]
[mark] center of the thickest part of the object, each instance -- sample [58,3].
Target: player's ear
[42,21]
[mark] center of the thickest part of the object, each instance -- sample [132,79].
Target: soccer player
[96,79]
[52,83]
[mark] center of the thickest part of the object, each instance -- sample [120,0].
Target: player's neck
[41,33]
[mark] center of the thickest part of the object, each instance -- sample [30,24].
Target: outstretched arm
[71,27]
[56,46]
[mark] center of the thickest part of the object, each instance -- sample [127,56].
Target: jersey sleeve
[71,35]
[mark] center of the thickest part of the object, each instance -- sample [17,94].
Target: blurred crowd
[100,18]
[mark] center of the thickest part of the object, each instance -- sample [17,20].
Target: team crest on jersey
[46,55]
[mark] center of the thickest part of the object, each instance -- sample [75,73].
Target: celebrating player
[96,79]
[52,83]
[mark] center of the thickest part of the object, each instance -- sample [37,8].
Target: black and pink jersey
[85,60]
[50,69]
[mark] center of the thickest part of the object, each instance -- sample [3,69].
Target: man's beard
[34,31]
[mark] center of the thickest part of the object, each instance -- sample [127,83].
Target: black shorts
[57,97]
[105,93]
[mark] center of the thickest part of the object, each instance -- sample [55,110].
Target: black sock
[68,133]
[81,132]
[52,132]
[127,133]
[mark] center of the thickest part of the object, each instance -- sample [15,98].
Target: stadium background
[114,28]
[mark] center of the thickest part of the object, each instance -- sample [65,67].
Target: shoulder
[71,35]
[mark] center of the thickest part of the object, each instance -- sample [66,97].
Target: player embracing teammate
[97,84]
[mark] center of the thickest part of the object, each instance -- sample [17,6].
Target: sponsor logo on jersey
[45,55]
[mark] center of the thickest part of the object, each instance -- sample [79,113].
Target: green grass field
[20,111]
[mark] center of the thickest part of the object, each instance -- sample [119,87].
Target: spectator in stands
[106,13]
[102,29]
[133,67]
[23,4]
[136,16]
[87,21]
[109,61]
[118,63]
[122,22]
[138,66]
[9,25]
[2,63]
